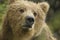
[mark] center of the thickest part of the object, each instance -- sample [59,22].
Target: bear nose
[29,20]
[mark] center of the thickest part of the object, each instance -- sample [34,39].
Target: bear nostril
[30,20]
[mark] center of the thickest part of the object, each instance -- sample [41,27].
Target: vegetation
[54,23]
[2,8]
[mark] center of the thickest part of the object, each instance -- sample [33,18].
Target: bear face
[25,18]
[25,14]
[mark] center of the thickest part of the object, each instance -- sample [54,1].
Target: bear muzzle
[29,21]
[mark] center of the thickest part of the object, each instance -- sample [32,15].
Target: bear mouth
[27,27]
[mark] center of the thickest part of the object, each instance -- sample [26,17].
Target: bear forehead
[24,4]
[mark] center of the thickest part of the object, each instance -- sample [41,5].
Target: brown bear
[25,20]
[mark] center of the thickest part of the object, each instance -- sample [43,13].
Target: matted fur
[14,19]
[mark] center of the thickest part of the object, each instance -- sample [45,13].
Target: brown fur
[14,19]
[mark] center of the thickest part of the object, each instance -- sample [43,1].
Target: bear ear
[44,6]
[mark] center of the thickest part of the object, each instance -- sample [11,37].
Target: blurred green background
[54,22]
[2,9]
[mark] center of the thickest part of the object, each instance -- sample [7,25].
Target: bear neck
[24,35]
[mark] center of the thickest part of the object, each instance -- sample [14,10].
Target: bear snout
[29,21]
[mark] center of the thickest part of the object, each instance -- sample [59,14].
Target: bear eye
[35,13]
[21,10]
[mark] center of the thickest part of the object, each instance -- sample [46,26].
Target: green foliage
[54,23]
[2,10]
